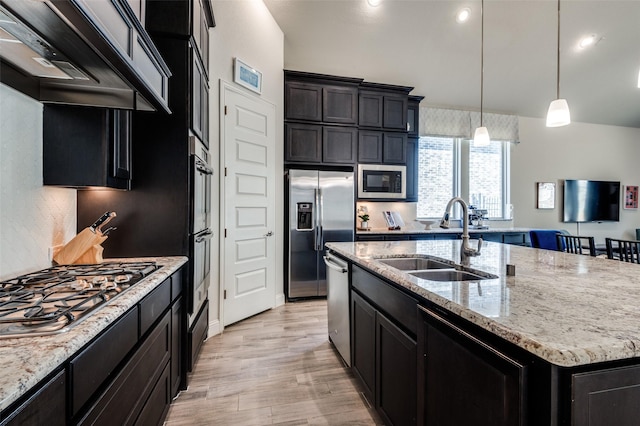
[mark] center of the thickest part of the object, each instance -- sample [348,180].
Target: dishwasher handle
[334,266]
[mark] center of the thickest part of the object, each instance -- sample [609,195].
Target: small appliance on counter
[394,220]
[477,218]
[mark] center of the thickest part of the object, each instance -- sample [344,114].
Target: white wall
[245,29]
[576,151]
[33,217]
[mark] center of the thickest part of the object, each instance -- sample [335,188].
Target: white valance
[461,124]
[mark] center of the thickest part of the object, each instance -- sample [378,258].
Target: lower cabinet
[465,381]
[127,375]
[384,359]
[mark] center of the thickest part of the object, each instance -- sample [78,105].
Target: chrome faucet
[465,249]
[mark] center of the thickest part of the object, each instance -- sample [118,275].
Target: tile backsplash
[33,217]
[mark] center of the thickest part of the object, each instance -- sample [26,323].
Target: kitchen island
[564,327]
[29,362]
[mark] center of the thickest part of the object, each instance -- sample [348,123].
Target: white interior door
[249,205]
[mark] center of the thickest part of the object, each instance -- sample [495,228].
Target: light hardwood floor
[277,367]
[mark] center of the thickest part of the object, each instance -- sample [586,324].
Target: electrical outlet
[53,250]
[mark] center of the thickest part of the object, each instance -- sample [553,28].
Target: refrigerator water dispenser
[305,216]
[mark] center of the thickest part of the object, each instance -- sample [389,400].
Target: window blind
[461,124]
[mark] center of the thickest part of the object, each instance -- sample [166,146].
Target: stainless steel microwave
[382,181]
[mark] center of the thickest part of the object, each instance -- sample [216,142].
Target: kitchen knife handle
[102,220]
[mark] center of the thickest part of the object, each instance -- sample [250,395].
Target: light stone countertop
[25,361]
[436,230]
[567,309]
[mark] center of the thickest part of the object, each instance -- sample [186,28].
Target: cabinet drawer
[154,304]
[126,395]
[197,335]
[393,302]
[99,360]
[157,406]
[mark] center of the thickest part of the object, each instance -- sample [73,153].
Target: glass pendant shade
[558,114]
[481,137]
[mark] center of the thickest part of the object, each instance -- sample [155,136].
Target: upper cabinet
[413,133]
[383,106]
[109,59]
[86,147]
[321,98]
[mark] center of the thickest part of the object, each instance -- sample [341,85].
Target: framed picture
[247,76]
[631,197]
[546,195]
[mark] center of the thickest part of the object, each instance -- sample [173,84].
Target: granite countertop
[568,309]
[436,230]
[25,361]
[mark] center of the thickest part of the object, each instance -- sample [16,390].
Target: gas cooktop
[51,300]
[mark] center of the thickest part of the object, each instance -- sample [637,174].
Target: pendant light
[481,135]
[558,114]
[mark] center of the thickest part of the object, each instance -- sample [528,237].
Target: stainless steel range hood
[81,52]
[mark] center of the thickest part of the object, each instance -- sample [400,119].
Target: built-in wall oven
[201,233]
[382,181]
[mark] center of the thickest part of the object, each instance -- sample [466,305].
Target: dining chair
[624,250]
[544,238]
[576,244]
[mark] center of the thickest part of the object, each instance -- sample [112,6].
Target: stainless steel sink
[449,275]
[415,263]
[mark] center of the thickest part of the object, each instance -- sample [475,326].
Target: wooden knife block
[90,256]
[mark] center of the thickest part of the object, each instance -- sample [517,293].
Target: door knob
[268,234]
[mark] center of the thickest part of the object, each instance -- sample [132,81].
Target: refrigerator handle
[316,211]
[320,221]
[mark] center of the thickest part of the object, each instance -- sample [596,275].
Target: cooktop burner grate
[50,300]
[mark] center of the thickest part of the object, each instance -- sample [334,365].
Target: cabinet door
[465,381]
[303,143]
[369,146]
[413,119]
[363,339]
[396,388]
[394,148]
[606,397]
[178,328]
[340,104]
[200,32]
[120,140]
[45,406]
[339,144]
[370,109]
[412,169]
[303,101]
[199,100]
[395,112]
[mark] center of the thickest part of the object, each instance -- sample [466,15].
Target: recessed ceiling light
[463,15]
[374,3]
[587,41]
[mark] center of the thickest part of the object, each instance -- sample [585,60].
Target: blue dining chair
[545,238]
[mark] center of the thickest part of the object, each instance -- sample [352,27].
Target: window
[450,167]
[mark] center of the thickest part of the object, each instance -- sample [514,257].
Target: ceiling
[419,43]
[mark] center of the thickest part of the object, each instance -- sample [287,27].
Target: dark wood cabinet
[178,344]
[413,117]
[303,143]
[383,106]
[394,115]
[396,369]
[302,101]
[46,405]
[363,341]
[339,144]
[381,147]
[464,380]
[606,397]
[199,100]
[384,351]
[84,147]
[340,104]
[412,169]
[394,148]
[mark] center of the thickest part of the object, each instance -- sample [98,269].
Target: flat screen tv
[591,201]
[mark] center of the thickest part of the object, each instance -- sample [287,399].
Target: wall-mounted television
[591,201]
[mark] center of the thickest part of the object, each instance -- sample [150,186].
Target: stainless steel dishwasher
[338,305]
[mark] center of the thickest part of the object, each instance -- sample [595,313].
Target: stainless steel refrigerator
[321,210]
